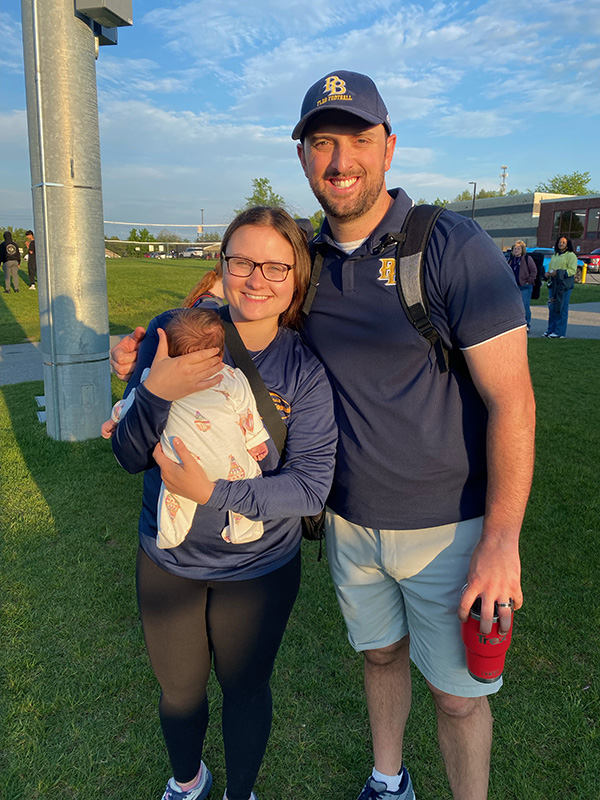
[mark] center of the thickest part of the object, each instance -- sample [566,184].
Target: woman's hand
[174,378]
[187,479]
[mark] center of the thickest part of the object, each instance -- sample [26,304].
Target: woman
[561,280]
[525,272]
[208,293]
[208,598]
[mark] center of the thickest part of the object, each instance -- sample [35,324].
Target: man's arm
[500,371]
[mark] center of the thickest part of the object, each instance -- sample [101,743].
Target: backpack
[411,247]
[538,260]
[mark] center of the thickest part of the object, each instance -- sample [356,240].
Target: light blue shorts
[391,584]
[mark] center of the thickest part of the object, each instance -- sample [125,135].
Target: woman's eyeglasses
[244,267]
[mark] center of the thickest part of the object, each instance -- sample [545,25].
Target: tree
[575,183]
[262,195]
[18,234]
[316,220]
[465,195]
[439,202]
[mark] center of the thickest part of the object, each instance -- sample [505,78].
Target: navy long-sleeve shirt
[289,488]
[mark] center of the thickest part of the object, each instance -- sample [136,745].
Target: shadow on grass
[79,716]
[76,677]
[11,330]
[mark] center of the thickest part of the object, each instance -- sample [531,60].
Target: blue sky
[200,97]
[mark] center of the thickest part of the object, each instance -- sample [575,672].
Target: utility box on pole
[64,145]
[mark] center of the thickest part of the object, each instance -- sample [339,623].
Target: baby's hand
[259,452]
[108,428]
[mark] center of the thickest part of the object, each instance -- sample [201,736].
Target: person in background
[10,255]
[561,280]
[31,262]
[209,600]
[525,272]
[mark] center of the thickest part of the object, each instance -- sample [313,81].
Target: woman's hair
[281,221]
[205,285]
[523,247]
[569,243]
[191,329]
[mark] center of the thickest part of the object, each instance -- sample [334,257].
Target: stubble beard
[363,203]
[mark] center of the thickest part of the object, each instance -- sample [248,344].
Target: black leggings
[240,625]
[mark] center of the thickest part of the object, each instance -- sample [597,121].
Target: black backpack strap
[317,266]
[410,275]
[264,402]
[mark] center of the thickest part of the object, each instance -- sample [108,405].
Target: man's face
[345,160]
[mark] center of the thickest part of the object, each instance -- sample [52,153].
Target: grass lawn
[138,289]
[78,699]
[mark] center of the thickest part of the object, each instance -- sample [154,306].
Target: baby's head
[193,329]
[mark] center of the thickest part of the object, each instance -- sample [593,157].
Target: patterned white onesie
[218,426]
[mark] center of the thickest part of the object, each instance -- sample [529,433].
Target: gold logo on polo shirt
[387,271]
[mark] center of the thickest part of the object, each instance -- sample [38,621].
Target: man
[11,256]
[433,470]
[31,264]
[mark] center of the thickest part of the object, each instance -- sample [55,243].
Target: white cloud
[13,133]
[472,124]
[127,77]
[11,53]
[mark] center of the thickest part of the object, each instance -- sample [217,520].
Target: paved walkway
[23,362]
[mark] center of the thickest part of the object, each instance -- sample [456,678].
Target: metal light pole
[473,206]
[64,146]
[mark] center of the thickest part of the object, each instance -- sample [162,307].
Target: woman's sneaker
[252,796]
[374,790]
[200,792]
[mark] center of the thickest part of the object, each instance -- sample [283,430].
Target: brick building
[508,217]
[578,218]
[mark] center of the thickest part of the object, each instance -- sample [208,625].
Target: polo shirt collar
[376,242]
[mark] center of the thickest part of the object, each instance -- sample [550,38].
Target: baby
[220,426]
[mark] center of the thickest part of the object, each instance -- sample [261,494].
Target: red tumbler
[485,652]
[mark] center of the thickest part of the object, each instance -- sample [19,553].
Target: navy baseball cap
[343,91]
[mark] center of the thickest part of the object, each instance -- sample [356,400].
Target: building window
[593,224]
[569,223]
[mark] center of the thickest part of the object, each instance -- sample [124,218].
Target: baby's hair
[193,329]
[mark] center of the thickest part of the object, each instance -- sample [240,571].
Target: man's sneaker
[173,792]
[32,287]
[546,334]
[374,790]
[555,336]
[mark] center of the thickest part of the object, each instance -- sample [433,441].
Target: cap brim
[298,131]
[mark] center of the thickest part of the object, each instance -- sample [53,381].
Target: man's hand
[187,479]
[495,576]
[174,378]
[124,354]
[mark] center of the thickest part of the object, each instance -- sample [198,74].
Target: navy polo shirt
[412,450]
